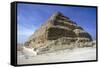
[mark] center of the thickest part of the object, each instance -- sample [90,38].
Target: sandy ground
[77,54]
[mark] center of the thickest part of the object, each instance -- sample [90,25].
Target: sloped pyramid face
[59,26]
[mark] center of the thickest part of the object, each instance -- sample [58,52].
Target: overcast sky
[31,16]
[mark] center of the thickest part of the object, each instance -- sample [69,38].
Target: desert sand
[67,55]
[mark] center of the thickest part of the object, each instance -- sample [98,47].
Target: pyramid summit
[56,27]
[58,14]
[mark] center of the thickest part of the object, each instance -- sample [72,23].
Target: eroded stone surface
[56,27]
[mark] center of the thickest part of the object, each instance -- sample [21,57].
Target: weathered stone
[58,26]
